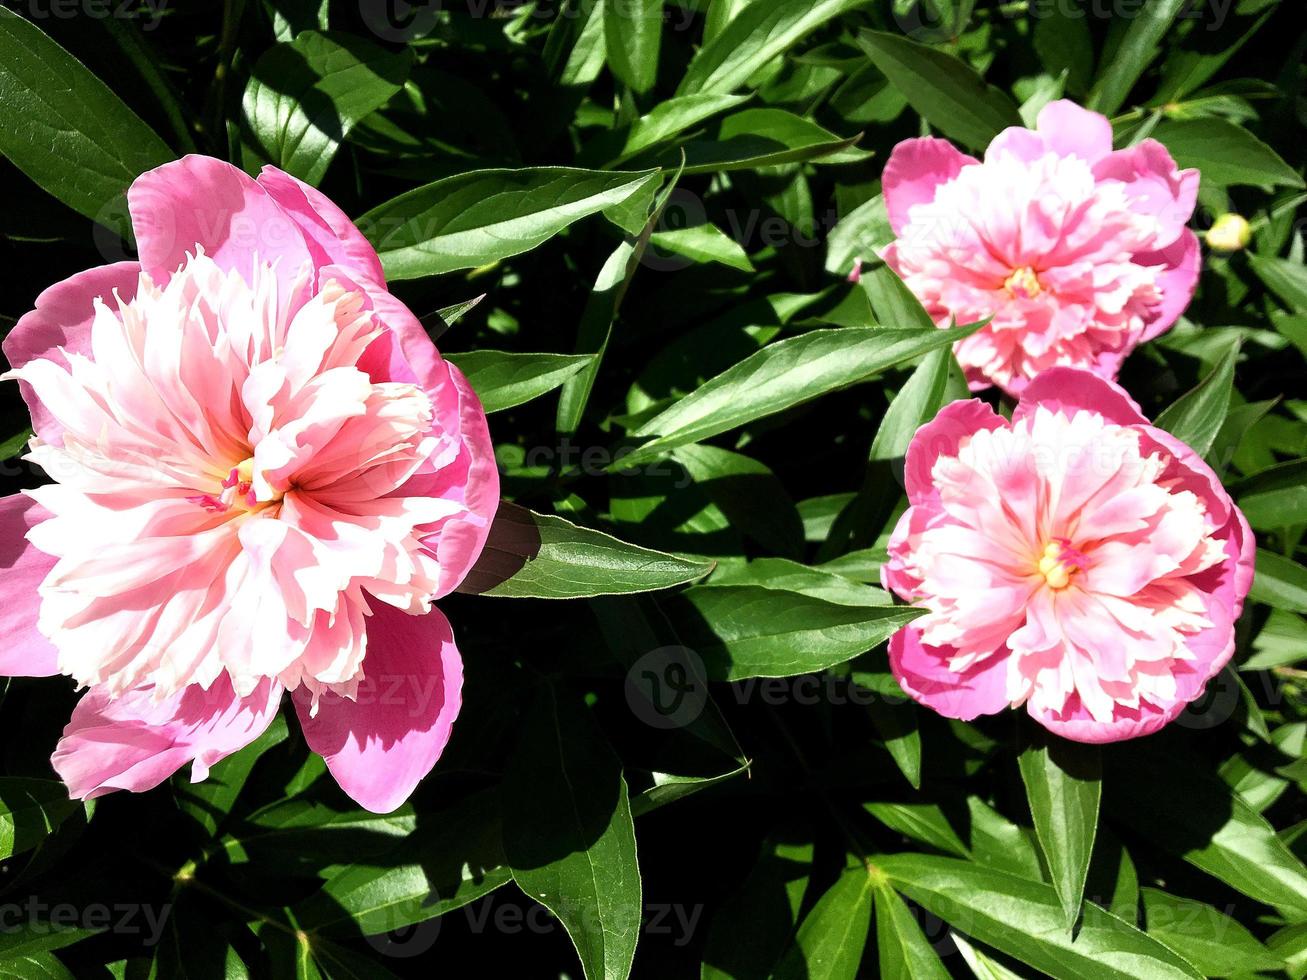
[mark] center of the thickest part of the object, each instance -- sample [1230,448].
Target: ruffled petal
[914,169]
[1074,131]
[25,652]
[1181,262]
[329,233]
[1070,390]
[62,321]
[134,742]
[200,201]
[923,672]
[380,745]
[941,437]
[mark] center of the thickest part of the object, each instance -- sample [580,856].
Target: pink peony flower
[1076,559]
[1078,253]
[264,474]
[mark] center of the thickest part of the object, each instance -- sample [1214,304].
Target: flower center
[1059,562]
[1023,284]
[237,490]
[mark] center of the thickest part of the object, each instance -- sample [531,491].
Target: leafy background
[696,764]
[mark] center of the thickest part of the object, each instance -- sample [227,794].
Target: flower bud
[1230,233]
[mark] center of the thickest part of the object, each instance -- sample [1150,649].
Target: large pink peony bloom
[1076,559]
[264,474]
[1078,253]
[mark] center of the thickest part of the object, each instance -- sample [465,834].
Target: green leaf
[211,800]
[1209,939]
[505,380]
[703,243]
[858,235]
[744,631]
[15,445]
[1133,55]
[673,117]
[454,861]
[477,218]
[668,788]
[982,967]
[1063,784]
[905,953]
[30,810]
[541,556]
[1025,919]
[896,724]
[748,493]
[1196,417]
[28,937]
[36,966]
[947,92]
[831,938]
[1274,498]
[65,129]
[790,576]
[754,38]
[305,96]
[1285,278]
[633,30]
[569,836]
[919,821]
[1216,831]
[783,375]
[1225,153]
[750,932]
[758,138]
[1280,582]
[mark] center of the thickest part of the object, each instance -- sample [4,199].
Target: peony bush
[657,488]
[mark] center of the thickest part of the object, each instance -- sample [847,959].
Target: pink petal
[62,318]
[381,745]
[941,437]
[1075,722]
[1074,131]
[1154,183]
[25,652]
[198,200]
[914,169]
[1181,260]
[133,742]
[923,672]
[1070,389]
[329,233]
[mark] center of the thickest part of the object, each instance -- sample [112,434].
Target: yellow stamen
[1056,572]
[1023,283]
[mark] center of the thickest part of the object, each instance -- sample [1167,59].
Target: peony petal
[380,745]
[941,437]
[134,743]
[1073,131]
[923,672]
[1070,389]
[25,652]
[62,319]
[327,230]
[914,169]
[200,201]
[1076,724]
[1154,185]
[1181,262]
